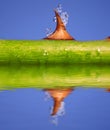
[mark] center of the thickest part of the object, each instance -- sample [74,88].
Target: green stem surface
[54,52]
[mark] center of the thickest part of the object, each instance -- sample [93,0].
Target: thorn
[60,32]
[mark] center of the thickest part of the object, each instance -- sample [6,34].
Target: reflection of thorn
[58,97]
[54,120]
[60,32]
[108,89]
[47,96]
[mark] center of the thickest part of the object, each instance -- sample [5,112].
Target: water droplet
[98,50]
[66,49]
[64,17]
[59,8]
[48,31]
[55,19]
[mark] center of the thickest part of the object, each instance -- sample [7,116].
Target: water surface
[24,104]
[27,109]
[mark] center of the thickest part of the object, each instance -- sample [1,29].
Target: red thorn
[60,32]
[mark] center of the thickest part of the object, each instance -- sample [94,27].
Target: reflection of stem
[60,32]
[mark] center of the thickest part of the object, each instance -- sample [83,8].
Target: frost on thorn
[59,8]
[55,19]
[64,15]
[60,33]
[48,31]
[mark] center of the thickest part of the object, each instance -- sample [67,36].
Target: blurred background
[28,19]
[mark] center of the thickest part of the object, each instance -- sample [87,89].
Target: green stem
[54,52]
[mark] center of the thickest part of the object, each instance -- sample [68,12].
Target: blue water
[26,109]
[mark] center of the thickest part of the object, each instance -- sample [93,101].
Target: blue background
[28,19]
[26,109]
